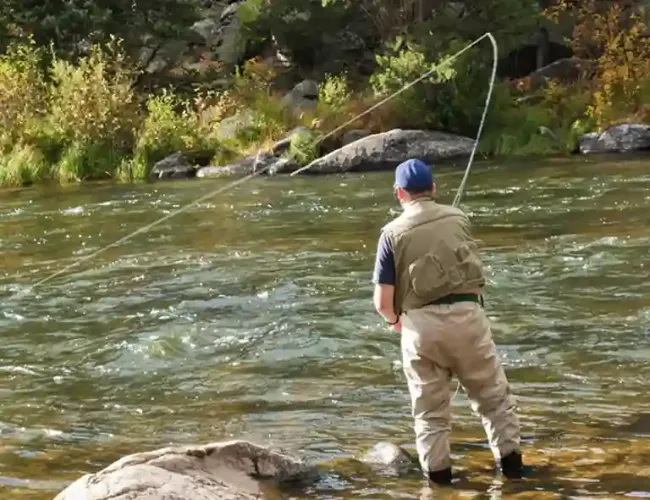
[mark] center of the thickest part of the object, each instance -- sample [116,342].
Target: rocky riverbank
[361,151]
[231,470]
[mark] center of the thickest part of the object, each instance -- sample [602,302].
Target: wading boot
[512,465]
[441,477]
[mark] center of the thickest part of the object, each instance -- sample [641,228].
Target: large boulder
[228,41]
[617,139]
[231,470]
[303,97]
[386,150]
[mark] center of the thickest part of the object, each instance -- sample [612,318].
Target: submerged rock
[390,457]
[231,470]
[617,139]
[386,150]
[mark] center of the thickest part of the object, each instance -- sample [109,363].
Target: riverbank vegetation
[74,104]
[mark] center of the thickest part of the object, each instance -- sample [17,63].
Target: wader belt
[453,298]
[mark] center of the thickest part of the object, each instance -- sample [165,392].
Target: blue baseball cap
[414,176]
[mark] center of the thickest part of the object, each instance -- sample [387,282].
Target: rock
[209,30]
[181,165]
[302,97]
[618,138]
[354,135]
[231,126]
[201,50]
[387,454]
[246,166]
[386,150]
[229,470]
[162,57]
[283,166]
[389,457]
[229,42]
[175,166]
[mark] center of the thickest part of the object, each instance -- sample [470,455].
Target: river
[250,316]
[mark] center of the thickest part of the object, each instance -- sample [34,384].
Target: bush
[22,165]
[23,93]
[615,37]
[93,100]
[171,125]
[397,71]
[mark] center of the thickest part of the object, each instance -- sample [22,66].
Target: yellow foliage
[94,99]
[23,95]
[615,39]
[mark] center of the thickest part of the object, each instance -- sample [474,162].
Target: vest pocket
[429,278]
[469,264]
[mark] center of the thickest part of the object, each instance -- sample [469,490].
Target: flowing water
[250,316]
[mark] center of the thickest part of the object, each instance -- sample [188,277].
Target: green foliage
[93,100]
[83,160]
[170,125]
[412,77]
[300,27]
[334,91]
[303,148]
[616,39]
[511,21]
[76,112]
[73,25]
[22,165]
[22,92]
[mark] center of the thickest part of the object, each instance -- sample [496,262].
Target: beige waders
[446,339]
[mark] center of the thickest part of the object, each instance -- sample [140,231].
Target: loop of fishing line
[256,172]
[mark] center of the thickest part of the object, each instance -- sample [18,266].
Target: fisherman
[428,280]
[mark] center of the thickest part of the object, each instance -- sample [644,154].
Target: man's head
[413,180]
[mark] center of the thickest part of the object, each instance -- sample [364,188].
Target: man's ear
[433,190]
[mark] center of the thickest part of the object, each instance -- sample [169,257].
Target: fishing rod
[319,139]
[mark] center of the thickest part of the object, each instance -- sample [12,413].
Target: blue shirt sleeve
[384,262]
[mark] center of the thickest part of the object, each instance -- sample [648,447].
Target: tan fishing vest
[435,254]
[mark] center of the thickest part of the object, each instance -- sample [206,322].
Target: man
[428,279]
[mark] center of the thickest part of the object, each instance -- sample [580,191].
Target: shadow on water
[250,316]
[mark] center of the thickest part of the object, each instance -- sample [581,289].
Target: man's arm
[384,279]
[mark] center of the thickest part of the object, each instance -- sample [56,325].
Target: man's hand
[397,327]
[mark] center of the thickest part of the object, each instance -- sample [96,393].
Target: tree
[73,25]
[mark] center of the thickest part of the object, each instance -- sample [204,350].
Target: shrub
[396,72]
[334,92]
[23,94]
[170,125]
[303,148]
[93,100]
[615,37]
[22,165]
